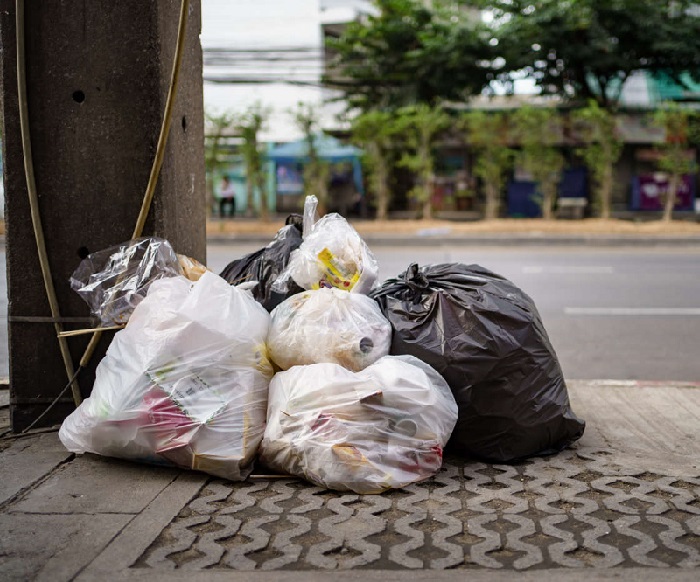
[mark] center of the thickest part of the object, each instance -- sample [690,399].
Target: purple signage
[653,188]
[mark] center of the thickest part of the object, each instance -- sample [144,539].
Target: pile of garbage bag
[297,356]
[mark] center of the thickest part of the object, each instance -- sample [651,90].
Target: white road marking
[564,270]
[632,310]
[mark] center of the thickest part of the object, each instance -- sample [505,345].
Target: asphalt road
[617,314]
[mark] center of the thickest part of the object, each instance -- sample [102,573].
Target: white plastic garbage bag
[332,255]
[368,431]
[328,326]
[184,383]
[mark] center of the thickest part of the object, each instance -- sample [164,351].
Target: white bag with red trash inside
[368,431]
[185,383]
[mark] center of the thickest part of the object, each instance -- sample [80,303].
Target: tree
[603,148]
[316,171]
[586,49]
[487,134]
[673,153]
[216,126]
[539,132]
[410,52]
[419,126]
[249,125]
[374,131]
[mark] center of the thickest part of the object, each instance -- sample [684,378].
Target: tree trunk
[264,207]
[250,193]
[670,198]
[382,190]
[426,186]
[491,209]
[547,201]
[427,203]
[210,196]
[321,187]
[214,153]
[606,187]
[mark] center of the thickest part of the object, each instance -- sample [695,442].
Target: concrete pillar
[97,79]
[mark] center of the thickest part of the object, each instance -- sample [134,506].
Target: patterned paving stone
[570,510]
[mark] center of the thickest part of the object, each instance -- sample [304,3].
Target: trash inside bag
[486,338]
[368,431]
[328,326]
[331,255]
[115,280]
[266,264]
[185,383]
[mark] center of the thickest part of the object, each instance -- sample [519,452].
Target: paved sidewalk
[623,504]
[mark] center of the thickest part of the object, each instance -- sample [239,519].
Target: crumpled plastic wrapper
[368,431]
[328,326]
[486,338]
[185,383]
[115,280]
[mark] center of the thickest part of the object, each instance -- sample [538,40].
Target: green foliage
[487,134]
[539,132]
[587,48]
[419,126]
[411,52]
[603,148]
[374,131]
[680,126]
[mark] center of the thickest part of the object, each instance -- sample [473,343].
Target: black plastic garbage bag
[266,264]
[485,336]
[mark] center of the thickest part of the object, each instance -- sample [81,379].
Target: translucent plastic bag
[328,326]
[332,255]
[368,431]
[115,280]
[185,382]
[485,336]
